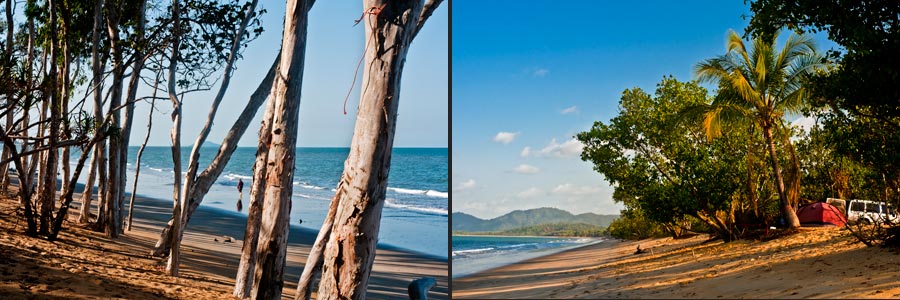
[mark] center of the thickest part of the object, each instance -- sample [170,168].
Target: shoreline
[293,226]
[537,236]
[814,263]
[203,256]
[542,253]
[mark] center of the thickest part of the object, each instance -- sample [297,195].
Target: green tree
[761,85]
[869,31]
[665,169]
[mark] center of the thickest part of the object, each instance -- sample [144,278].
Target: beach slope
[84,264]
[815,263]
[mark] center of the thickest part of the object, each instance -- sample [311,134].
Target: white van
[869,212]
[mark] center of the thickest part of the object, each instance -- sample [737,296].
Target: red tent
[821,214]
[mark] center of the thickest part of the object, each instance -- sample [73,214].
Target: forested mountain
[523,218]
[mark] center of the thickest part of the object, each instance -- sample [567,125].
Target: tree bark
[140,153]
[48,177]
[268,276]
[206,179]
[86,195]
[177,211]
[244,279]
[787,211]
[194,159]
[112,210]
[125,134]
[99,161]
[314,261]
[4,167]
[350,250]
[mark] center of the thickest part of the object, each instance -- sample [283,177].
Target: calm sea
[415,212]
[472,254]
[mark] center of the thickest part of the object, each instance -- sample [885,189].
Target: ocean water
[472,254]
[415,211]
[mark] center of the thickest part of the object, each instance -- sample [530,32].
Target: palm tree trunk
[787,211]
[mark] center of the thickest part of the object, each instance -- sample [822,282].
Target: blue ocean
[415,211]
[472,254]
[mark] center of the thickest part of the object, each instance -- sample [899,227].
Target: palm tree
[760,86]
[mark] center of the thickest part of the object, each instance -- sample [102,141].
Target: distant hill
[525,218]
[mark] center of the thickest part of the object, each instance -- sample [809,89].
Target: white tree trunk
[140,153]
[314,260]
[112,213]
[194,159]
[98,162]
[350,250]
[125,134]
[244,278]
[268,279]
[179,203]
[206,179]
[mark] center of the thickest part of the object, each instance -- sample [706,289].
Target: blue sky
[533,74]
[334,47]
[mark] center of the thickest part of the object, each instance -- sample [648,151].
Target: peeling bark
[350,250]
[268,279]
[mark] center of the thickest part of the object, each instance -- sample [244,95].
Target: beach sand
[815,263]
[84,264]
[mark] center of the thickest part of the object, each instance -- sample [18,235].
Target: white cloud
[531,193]
[465,185]
[570,110]
[540,72]
[525,152]
[570,148]
[573,190]
[505,137]
[526,169]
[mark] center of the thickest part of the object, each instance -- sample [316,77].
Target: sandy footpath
[815,263]
[84,264]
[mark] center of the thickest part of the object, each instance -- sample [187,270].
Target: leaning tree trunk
[244,279]
[350,250]
[179,203]
[194,158]
[314,259]
[206,179]
[268,279]
[787,210]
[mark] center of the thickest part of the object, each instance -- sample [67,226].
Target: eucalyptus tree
[760,85]
[349,251]
[185,190]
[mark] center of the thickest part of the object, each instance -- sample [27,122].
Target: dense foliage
[869,68]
